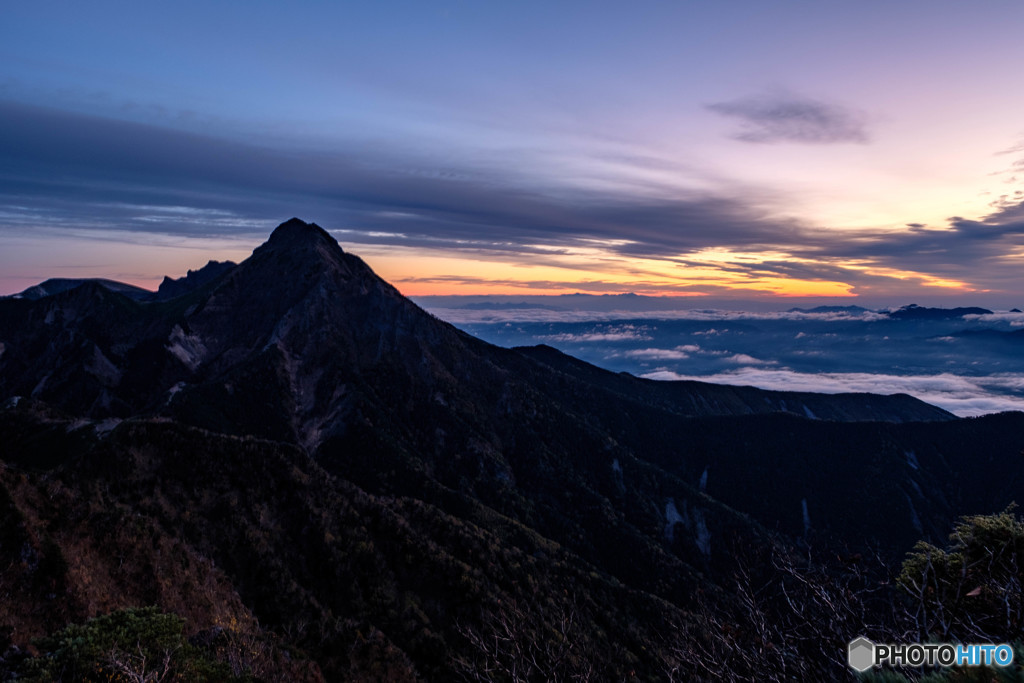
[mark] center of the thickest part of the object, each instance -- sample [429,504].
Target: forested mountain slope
[291,450]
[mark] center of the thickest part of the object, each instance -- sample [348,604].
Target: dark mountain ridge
[169,288]
[299,380]
[831,309]
[58,285]
[915,312]
[320,294]
[194,279]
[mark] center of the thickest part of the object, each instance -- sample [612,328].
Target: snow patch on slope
[701,534]
[38,389]
[103,368]
[672,517]
[912,459]
[914,518]
[104,427]
[693,521]
[188,348]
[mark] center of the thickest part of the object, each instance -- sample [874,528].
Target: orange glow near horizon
[597,272]
[142,262]
[921,278]
[537,270]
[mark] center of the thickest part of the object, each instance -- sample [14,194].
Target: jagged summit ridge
[296,232]
[297,253]
[174,287]
[300,262]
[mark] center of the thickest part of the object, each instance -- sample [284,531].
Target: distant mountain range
[644,305]
[290,446]
[58,285]
[914,312]
[169,288]
[830,309]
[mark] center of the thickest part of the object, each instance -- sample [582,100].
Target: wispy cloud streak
[63,170]
[785,117]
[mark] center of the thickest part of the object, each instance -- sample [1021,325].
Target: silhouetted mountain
[487,306]
[194,279]
[915,312]
[701,399]
[830,309]
[386,494]
[58,285]
[302,319]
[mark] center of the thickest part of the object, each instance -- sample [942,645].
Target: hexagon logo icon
[861,654]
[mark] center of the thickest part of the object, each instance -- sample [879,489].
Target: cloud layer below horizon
[961,395]
[969,366]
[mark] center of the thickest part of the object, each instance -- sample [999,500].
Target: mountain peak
[296,232]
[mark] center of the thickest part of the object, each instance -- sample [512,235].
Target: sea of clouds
[969,366]
[960,395]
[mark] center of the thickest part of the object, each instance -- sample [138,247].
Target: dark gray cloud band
[65,170]
[784,117]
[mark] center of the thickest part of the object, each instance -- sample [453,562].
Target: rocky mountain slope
[293,447]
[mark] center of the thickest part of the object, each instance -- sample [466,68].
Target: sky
[868,152]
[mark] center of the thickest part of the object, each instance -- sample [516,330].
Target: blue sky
[872,151]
